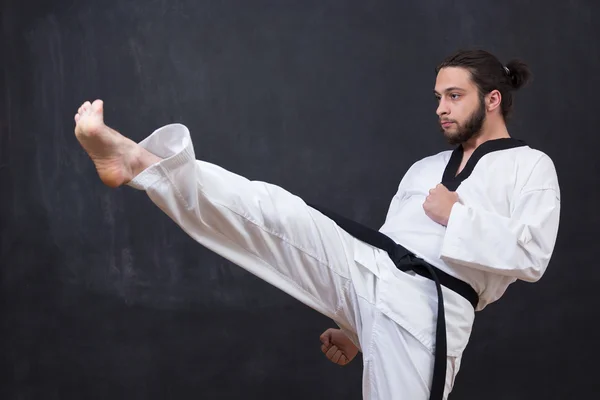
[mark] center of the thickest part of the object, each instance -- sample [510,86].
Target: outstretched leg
[258,226]
[276,236]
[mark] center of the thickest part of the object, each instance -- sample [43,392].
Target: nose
[442,109]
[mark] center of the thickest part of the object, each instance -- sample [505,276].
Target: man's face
[460,108]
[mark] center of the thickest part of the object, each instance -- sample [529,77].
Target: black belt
[405,261]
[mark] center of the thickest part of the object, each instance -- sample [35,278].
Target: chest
[489,185]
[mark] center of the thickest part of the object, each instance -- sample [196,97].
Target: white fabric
[390,314]
[504,228]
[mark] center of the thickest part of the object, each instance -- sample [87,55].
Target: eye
[454,96]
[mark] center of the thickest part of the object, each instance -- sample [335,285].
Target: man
[463,225]
[476,129]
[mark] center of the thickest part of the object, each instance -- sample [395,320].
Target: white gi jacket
[504,227]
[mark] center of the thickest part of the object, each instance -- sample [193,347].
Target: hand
[439,203]
[337,347]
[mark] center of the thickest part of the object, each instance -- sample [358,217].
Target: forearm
[519,246]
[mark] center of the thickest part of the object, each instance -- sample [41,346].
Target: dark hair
[488,73]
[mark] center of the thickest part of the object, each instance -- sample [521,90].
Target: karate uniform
[504,228]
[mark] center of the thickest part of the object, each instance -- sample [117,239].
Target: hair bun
[518,72]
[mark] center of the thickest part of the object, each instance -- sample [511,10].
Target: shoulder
[536,161]
[537,170]
[435,160]
[424,167]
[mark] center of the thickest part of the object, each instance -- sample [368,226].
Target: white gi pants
[274,235]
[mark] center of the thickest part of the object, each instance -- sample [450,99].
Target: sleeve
[520,245]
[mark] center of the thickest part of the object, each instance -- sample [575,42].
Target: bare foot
[114,155]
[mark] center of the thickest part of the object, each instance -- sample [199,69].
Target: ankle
[140,159]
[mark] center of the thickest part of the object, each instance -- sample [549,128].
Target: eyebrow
[450,89]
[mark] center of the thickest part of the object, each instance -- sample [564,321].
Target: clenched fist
[439,203]
[337,347]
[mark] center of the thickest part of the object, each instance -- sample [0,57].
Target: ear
[493,100]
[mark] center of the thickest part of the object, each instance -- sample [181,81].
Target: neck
[490,132]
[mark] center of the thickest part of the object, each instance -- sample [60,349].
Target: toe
[97,105]
[86,106]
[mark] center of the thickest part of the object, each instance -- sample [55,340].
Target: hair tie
[507,71]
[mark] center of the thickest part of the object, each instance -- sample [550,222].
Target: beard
[469,129]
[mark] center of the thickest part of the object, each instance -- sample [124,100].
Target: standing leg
[258,226]
[396,364]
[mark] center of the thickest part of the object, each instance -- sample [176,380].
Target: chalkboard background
[104,297]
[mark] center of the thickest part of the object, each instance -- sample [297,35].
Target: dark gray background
[105,297]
